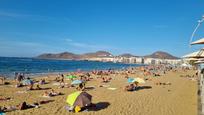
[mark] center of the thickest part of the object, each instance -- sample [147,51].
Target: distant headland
[104,56]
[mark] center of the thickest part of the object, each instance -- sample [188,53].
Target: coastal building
[156,61]
[136,60]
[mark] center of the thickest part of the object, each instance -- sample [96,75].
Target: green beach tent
[79,98]
[71,77]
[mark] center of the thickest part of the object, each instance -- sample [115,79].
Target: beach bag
[77,109]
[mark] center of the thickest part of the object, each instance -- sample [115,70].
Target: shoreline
[11,75]
[54,74]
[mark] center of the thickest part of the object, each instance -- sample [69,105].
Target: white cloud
[84,45]
[87,46]
[68,40]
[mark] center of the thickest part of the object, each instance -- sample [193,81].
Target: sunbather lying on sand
[85,78]
[5,98]
[30,87]
[105,79]
[21,106]
[42,82]
[160,83]
[156,74]
[130,87]
[57,79]
[187,76]
[51,93]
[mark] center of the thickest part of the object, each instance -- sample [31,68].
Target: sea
[34,67]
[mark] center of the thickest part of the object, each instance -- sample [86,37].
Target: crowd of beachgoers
[78,81]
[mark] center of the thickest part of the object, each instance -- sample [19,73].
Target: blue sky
[140,27]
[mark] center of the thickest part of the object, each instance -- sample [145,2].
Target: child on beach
[5,98]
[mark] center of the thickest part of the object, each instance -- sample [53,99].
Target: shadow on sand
[89,88]
[143,87]
[99,106]
[5,83]
[40,89]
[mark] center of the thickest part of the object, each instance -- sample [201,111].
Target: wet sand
[179,98]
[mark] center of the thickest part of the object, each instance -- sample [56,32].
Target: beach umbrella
[71,77]
[131,80]
[190,55]
[191,59]
[139,80]
[76,82]
[200,41]
[197,54]
[27,82]
[199,61]
[79,98]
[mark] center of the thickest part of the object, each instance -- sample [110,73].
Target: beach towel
[111,88]
[45,96]
[91,86]
[57,84]
[105,85]
[21,92]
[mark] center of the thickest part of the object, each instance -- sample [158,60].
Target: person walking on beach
[62,80]
[2,78]
[19,77]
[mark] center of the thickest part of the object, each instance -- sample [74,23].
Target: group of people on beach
[103,75]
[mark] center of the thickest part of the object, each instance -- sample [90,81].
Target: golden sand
[179,98]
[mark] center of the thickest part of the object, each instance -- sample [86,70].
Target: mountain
[64,55]
[72,56]
[127,55]
[97,54]
[161,55]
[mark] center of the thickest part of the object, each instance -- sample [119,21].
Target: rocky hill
[161,55]
[72,56]
[64,55]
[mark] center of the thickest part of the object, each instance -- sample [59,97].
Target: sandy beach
[178,98]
